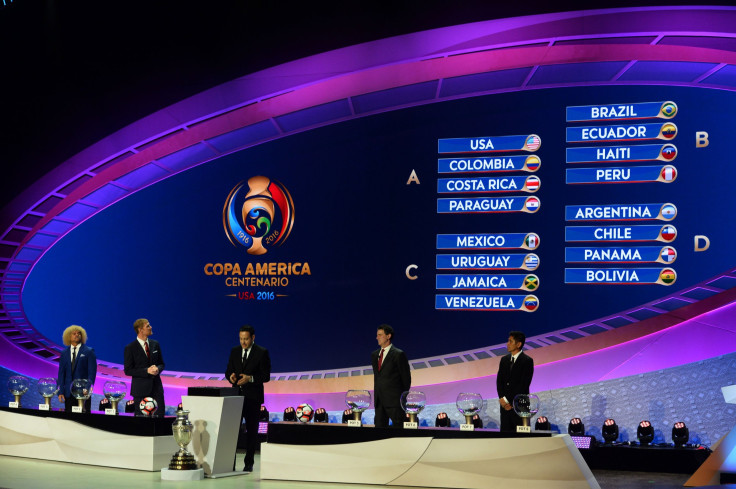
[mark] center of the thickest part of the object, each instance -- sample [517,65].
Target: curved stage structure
[676,46]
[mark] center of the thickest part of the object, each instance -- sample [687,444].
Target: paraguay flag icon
[532,204]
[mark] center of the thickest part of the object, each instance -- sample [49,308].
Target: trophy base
[183,460]
[183,475]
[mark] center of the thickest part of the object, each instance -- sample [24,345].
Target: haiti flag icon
[668,254]
[668,212]
[531,303]
[532,163]
[668,276]
[668,152]
[668,174]
[668,233]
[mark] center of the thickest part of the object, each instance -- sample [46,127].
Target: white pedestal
[216,423]
[182,475]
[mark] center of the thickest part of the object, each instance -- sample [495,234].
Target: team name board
[641,110]
[486,261]
[487,282]
[488,184]
[530,163]
[609,154]
[637,254]
[488,204]
[485,241]
[527,303]
[660,276]
[636,174]
[636,132]
[529,143]
[620,212]
[644,232]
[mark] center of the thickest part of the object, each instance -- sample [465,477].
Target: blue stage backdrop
[319,252]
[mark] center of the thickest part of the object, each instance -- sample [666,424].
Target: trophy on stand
[81,390]
[358,400]
[526,406]
[17,385]
[413,402]
[469,404]
[182,431]
[114,391]
[47,388]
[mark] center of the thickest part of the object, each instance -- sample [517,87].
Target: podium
[216,418]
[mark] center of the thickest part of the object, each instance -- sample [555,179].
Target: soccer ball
[304,412]
[148,406]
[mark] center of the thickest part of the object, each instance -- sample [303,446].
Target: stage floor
[23,473]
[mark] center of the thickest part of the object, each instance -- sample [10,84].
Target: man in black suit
[515,373]
[77,361]
[248,368]
[144,362]
[391,377]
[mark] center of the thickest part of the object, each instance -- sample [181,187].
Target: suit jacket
[258,365]
[85,367]
[510,382]
[393,379]
[136,364]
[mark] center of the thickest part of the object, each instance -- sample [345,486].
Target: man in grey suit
[391,377]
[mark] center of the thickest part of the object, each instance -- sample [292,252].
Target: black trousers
[509,420]
[383,413]
[158,394]
[251,415]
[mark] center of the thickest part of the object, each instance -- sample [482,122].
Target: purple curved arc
[686,46]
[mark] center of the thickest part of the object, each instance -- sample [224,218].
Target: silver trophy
[358,400]
[469,404]
[526,406]
[413,402]
[114,391]
[47,388]
[182,431]
[81,390]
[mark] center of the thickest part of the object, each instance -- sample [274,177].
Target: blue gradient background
[359,225]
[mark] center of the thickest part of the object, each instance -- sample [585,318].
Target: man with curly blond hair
[77,361]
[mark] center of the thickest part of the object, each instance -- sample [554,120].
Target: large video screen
[454,222]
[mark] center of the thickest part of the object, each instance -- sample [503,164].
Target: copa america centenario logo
[258,215]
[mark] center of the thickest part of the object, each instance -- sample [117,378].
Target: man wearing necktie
[77,361]
[144,362]
[248,368]
[391,377]
[514,377]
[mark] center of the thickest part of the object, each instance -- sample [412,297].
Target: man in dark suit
[248,368]
[515,373]
[391,377]
[144,362]
[77,361]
